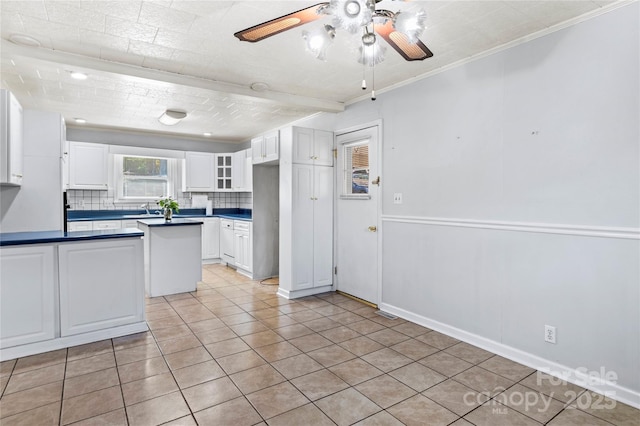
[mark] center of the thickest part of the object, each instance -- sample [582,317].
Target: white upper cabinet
[237,170]
[88,166]
[242,171]
[224,172]
[248,171]
[199,172]
[312,147]
[11,132]
[266,148]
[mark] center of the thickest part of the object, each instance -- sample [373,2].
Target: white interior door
[357,213]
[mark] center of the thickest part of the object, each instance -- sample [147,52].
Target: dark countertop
[44,237]
[83,215]
[173,222]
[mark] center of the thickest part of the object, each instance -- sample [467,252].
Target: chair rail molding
[541,228]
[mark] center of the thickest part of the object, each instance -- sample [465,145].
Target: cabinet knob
[373,229]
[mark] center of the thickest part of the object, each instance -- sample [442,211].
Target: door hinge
[335,270]
[335,152]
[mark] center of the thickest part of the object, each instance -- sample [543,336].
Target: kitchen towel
[199,201]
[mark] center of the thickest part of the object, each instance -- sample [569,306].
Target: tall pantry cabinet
[306,212]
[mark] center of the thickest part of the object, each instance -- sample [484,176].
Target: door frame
[337,169]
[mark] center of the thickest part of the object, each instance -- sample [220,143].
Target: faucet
[145,206]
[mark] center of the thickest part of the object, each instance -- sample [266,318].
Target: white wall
[520,177]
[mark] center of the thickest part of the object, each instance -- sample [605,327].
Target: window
[141,178]
[356,169]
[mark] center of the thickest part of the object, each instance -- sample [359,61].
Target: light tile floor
[234,353]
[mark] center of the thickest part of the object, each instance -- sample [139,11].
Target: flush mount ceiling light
[24,40]
[399,30]
[171,117]
[259,86]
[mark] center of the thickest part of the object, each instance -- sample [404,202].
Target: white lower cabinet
[211,238]
[27,295]
[65,294]
[129,223]
[242,245]
[97,225]
[106,224]
[85,225]
[94,296]
[227,252]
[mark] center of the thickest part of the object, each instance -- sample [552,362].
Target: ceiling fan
[400,29]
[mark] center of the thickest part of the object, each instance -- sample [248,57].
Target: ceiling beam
[88,63]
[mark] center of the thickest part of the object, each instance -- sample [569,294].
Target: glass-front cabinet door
[223,172]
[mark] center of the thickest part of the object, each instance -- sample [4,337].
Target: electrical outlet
[397,198]
[549,334]
[80,203]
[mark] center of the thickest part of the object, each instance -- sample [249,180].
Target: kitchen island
[60,289]
[172,255]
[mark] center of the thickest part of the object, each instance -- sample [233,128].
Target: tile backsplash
[104,200]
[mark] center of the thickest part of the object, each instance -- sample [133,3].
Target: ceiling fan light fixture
[319,40]
[410,24]
[372,55]
[351,15]
[368,38]
[171,117]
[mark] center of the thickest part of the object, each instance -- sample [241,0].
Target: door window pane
[356,168]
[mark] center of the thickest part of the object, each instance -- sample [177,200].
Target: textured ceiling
[143,57]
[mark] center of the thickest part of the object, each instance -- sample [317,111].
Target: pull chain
[373,81]
[373,63]
[364,70]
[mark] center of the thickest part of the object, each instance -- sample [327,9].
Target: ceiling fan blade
[283,23]
[409,51]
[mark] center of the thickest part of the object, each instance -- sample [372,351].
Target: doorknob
[373,228]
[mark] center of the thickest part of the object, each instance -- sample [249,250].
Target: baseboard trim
[69,341]
[295,294]
[571,375]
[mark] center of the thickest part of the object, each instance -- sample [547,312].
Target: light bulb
[410,24]
[319,40]
[372,55]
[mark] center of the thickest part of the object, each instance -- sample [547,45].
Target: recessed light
[77,75]
[171,117]
[207,134]
[24,40]
[80,120]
